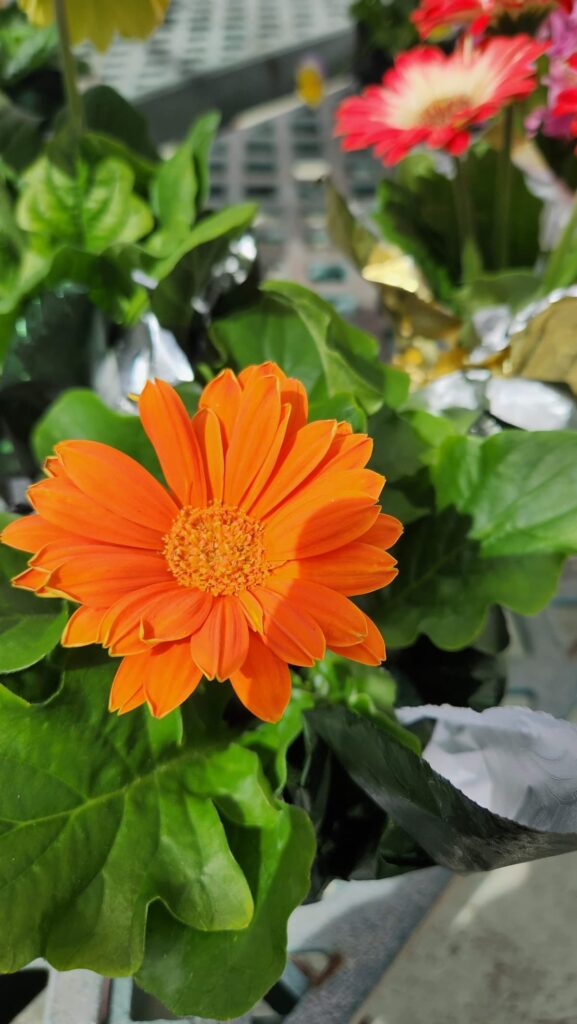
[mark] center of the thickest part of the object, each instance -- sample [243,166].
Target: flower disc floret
[218,550]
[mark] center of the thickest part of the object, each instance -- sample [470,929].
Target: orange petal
[99,580]
[299,456]
[354,569]
[265,471]
[82,628]
[175,616]
[263,684]
[32,579]
[292,391]
[56,554]
[371,650]
[384,533]
[206,428]
[30,533]
[313,525]
[53,466]
[222,395]
[289,631]
[136,701]
[63,505]
[127,689]
[124,615]
[340,620]
[252,609]
[221,644]
[167,423]
[348,451]
[117,482]
[251,437]
[170,678]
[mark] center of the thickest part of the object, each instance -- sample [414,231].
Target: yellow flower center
[218,549]
[442,112]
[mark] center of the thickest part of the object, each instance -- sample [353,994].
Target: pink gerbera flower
[444,16]
[434,99]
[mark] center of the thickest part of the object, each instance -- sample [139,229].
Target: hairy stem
[73,98]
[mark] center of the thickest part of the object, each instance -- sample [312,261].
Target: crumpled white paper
[515,762]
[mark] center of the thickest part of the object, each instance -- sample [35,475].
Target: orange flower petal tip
[243,563]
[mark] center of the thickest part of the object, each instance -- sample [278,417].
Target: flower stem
[503,195]
[73,98]
[470,256]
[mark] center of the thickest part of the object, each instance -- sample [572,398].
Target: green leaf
[80,414]
[164,255]
[454,830]
[340,407]
[186,270]
[400,449]
[417,212]
[270,330]
[513,288]
[108,113]
[308,339]
[25,48]
[56,341]
[20,135]
[184,967]
[92,210]
[29,627]
[351,237]
[181,186]
[446,584]
[106,277]
[520,490]
[349,357]
[88,842]
[272,741]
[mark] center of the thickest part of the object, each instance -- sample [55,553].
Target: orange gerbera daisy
[244,565]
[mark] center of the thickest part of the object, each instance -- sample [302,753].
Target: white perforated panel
[203,35]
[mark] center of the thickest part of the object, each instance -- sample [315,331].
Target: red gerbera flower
[566,102]
[243,564]
[433,99]
[444,16]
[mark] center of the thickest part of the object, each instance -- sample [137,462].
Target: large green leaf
[454,830]
[223,974]
[79,414]
[308,339]
[446,585]
[101,815]
[505,517]
[93,209]
[520,490]
[29,628]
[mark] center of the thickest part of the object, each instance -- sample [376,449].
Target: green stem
[73,98]
[503,195]
[470,256]
[553,274]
